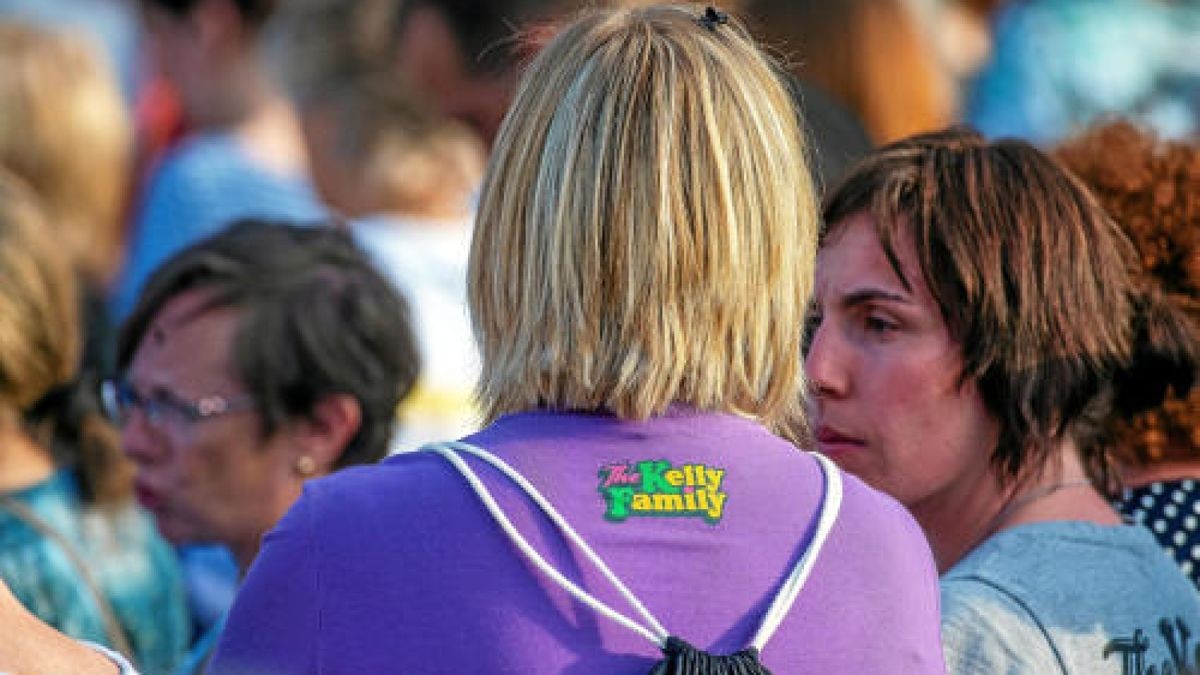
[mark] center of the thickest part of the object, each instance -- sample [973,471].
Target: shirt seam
[1025,608]
[315,555]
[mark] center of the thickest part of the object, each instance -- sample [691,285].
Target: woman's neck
[973,511]
[1061,492]
[22,461]
[955,520]
[270,134]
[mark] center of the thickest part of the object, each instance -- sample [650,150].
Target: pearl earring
[306,466]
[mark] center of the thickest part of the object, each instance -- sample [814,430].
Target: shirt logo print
[656,488]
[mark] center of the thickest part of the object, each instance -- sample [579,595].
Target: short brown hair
[1028,272]
[1152,189]
[316,319]
[647,226]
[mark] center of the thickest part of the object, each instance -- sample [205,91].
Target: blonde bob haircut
[647,226]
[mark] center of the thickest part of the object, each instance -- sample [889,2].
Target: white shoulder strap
[653,630]
[831,506]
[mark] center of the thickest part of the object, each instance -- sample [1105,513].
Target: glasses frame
[121,399]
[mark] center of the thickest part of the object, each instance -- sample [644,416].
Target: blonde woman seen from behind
[640,267]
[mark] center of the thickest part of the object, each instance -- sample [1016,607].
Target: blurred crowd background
[144,125]
[139,127]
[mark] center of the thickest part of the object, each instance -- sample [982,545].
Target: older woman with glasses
[254,361]
[73,549]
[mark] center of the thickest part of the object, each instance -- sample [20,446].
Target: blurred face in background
[959,32]
[888,404]
[211,479]
[202,55]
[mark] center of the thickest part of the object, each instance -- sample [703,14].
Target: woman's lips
[832,441]
[147,497]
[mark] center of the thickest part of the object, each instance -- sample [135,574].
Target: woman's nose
[822,363]
[139,438]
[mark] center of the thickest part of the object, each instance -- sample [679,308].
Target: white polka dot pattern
[1170,510]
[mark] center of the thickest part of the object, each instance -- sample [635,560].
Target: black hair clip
[713,17]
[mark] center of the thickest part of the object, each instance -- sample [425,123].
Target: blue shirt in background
[1059,65]
[201,186]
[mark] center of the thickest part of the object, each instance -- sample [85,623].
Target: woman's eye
[875,324]
[811,323]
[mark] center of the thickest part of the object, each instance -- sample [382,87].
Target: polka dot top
[1171,510]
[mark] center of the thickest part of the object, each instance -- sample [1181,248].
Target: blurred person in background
[873,56]
[960,33]
[973,322]
[66,133]
[111,26]
[1151,187]
[1059,65]
[73,548]
[835,135]
[244,155]
[404,177]
[462,57]
[254,361]
[638,307]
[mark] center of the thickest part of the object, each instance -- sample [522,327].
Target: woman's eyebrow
[865,295]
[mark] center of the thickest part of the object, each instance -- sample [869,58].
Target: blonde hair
[65,132]
[399,157]
[647,226]
[1148,185]
[39,331]
[40,347]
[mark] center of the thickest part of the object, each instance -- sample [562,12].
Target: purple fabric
[398,567]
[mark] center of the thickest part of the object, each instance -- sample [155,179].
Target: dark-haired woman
[973,314]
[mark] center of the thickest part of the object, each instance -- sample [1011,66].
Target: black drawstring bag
[684,659]
[679,657]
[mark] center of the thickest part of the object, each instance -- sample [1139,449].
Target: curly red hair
[1151,187]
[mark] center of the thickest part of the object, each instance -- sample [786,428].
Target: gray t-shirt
[1069,597]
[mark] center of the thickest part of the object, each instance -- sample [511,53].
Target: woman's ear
[323,436]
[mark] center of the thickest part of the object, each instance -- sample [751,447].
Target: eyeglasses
[163,409]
